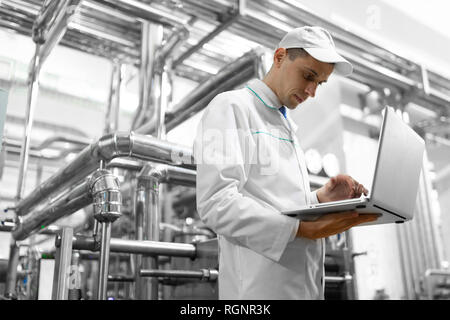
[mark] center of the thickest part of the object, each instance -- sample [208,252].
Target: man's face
[299,79]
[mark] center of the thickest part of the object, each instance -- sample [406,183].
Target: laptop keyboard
[362,199]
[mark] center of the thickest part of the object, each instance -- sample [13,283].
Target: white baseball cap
[319,44]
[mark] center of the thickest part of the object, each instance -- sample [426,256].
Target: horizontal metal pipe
[14,148]
[336,279]
[437,272]
[6,225]
[206,39]
[144,11]
[138,247]
[126,164]
[180,176]
[120,278]
[108,147]
[172,273]
[79,141]
[203,274]
[169,174]
[153,248]
[69,203]
[252,27]
[261,31]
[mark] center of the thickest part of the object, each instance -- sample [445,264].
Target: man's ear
[279,56]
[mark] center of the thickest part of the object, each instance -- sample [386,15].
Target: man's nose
[311,89]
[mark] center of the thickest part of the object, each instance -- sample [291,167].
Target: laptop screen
[398,167]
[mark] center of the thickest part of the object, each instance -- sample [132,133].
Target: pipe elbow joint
[107,199]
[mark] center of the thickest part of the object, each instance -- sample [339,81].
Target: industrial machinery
[139,235]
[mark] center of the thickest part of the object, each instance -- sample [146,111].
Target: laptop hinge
[397,215]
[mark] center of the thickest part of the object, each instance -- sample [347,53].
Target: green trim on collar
[261,99]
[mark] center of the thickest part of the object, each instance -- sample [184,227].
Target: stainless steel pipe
[72,201]
[202,274]
[47,31]
[104,261]
[119,144]
[113,107]
[227,78]
[33,89]
[138,247]
[157,86]
[151,40]
[62,266]
[50,32]
[146,12]
[107,201]
[11,275]
[148,191]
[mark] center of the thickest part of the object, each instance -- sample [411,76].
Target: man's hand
[331,224]
[340,187]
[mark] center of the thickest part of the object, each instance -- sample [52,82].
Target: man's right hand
[331,224]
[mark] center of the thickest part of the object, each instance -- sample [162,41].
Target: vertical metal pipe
[110,107]
[151,40]
[119,78]
[419,254]
[116,271]
[11,277]
[62,266]
[113,107]
[436,241]
[30,263]
[165,99]
[33,89]
[107,202]
[412,253]
[104,261]
[404,262]
[143,94]
[157,99]
[44,44]
[75,277]
[427,225]
[39,170]
[148,211]
[419,223]
[154,222]
[139,207]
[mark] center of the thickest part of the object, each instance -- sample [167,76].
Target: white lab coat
[240,197]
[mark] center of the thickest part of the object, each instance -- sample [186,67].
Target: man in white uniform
[250,167]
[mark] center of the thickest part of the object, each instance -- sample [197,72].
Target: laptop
[396,178]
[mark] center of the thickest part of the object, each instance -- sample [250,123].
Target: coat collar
[269,99]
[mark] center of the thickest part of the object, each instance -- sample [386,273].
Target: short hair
[294,53]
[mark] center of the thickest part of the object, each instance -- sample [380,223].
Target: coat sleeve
[313,197]
[222,149]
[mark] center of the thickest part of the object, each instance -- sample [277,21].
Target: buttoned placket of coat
[300,155]
[289,126]
[292,128]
